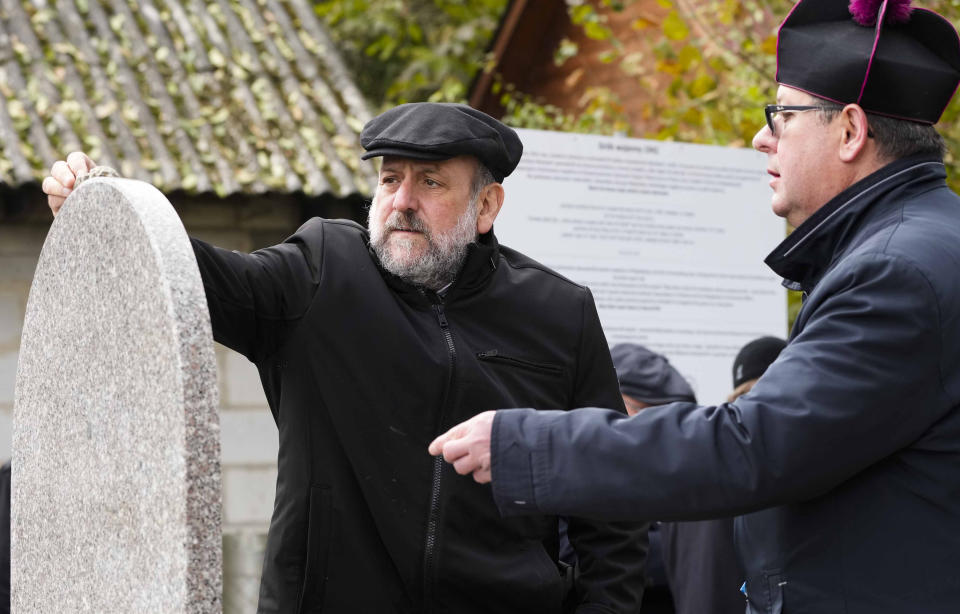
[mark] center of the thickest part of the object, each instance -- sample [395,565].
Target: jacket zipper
[496,356]
[433,520]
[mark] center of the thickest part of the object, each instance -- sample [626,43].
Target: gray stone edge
[171,247]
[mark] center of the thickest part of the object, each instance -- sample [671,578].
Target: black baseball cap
[753,359]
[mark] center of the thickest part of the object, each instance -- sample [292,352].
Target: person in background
[752,361]
[648,379]
[701,561]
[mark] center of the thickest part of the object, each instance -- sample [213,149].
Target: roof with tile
[224,96]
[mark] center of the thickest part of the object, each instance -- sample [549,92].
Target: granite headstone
[116,450]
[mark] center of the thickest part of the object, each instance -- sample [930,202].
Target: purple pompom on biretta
[865,12]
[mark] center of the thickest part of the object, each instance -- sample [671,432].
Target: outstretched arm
[859,382]
[256,299]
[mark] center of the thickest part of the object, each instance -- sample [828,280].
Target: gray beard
[440,263]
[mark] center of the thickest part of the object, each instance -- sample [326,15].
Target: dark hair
[896,138]
[482,177]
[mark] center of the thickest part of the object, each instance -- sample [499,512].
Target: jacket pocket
[319,534]
[532,365]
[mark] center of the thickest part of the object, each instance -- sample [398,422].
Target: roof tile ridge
[307,66]
[8,135]
[39,141]
[24,33]
[50,89]
[72,26]
[151,17]
[127,79]
[191,38]
[212,33]
[290,88]
[155,83]
[244,95]
[239,37]
[9,138]
[322,96]
[326,96]
[339,74]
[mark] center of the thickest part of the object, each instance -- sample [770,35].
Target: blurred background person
[701,564]
[751,362]
[647,379]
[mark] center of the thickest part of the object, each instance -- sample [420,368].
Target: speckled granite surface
[116,452]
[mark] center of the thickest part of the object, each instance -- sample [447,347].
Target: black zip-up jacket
[362,371]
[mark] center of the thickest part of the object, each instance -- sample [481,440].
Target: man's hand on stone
[467,446]
[63,175]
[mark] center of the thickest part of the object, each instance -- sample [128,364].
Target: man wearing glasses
[854,432]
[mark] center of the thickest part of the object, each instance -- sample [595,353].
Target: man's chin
[405,250]
[778,207]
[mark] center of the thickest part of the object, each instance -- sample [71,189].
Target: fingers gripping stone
[93,173]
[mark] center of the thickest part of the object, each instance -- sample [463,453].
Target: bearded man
[369,345]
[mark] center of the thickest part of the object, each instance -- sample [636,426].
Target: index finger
[456,449]
[436,446]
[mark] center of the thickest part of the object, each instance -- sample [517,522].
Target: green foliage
[409,50]
[601,112]
[710,64]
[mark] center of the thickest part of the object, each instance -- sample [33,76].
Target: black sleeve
[5,538]
[611,555]
[859,382]
[255,299]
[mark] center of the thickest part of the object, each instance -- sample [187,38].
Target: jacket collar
[478,266]
[804,256]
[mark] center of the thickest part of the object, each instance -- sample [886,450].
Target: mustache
[405,220]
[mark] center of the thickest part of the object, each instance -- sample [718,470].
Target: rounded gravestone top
[116,489]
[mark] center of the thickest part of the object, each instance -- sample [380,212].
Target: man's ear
[491,199]
[854,133]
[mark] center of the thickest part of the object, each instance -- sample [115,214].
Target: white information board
[670,237]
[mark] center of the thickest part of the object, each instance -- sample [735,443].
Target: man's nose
[405,197]
[764,140]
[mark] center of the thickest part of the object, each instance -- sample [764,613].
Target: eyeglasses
[773,111]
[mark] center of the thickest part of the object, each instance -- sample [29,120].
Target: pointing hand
[467,446]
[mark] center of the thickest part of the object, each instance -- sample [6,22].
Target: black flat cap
[884,55]
[649,377]
[439,130]
[753,359]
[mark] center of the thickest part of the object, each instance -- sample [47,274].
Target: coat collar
[804,256]
[478,266]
